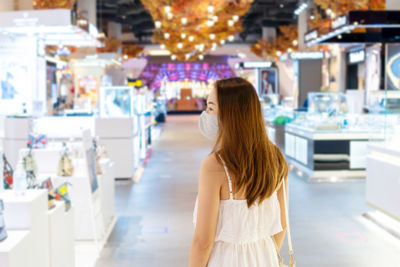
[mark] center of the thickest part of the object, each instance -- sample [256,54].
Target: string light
[231,38]
[179,45]
[230,23]
[210,9]
[184,21]
[201,57]
[183,35]
[235,18]
[157,24]
[166,35]
[212,36]
[173,57]
[191,38]
[162,46]
[210,23]
[167,9]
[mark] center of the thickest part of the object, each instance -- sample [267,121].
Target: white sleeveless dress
[243,236]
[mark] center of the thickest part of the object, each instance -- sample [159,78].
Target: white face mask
[208,125]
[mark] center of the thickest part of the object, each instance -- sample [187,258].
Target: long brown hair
[256,164]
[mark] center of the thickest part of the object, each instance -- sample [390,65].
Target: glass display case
[116,101]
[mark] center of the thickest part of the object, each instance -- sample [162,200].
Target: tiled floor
[154,225]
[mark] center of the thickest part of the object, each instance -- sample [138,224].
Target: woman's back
[243,234]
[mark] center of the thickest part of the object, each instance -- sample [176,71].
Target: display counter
[383,178]
[328,154]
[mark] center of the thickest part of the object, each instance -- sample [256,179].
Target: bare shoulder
[211,164]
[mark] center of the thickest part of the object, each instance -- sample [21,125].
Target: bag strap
[289,235]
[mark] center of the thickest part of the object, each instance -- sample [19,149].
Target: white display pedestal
[107,189]
[15,249]
[29,212]
[16,133]
[120,138]
[61,228]
[383,178]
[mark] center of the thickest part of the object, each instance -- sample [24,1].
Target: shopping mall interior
[99,125]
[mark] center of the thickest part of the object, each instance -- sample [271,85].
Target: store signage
[339,22]
[137,83]
[311,35]
[255,64]
[307,55]
[356,56]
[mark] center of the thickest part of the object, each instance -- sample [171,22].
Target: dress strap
[229,178]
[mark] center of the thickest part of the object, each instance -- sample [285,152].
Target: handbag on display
[8,173]
[65,167]
[37,140]
[62,194]
[292,262]
[30,167]
[47,184]
[3,232]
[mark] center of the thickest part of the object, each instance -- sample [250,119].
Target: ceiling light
[222,42]
[183,35]
[201,57]
[281,5]
[213,48]
[210,9]
[191,38]
[214,44]
[201,47]
[197,46]
[166,35]
[179,45]
[215,18]
[170,16]
[339,36]
[295,42]
[184,21]
[230,23]
[187,56]
[158,24]
[312,17]
[173,57]
[278,53]
[162,46]
[125,57]
[210,23]
[235,18]
[300,9]
[231,38]
[328,11]
[212,36]
[290,50]
[167,9]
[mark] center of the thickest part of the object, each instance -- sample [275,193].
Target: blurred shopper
[239,212]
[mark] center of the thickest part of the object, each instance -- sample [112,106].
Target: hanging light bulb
[191,38]
[235,18]
[179,45]
[290,50]
[183,35]
[210,23]
[230,23]
[213,48]
[212,36]
[295,42]
[166,35]
[184,21]
[157,24]
[201,47]
[278,53]
[187,56]
[222,42]
[170,16]
[210,9]
[167,9]
[201,57]
[162,46]
[214,44]
[231,38]
[173,57]
[215,18]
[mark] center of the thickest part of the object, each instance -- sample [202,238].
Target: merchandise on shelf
[3,231]
[8,173]
[65,166]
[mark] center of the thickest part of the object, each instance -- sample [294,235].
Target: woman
[240,208]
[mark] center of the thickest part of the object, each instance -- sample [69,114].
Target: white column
[392,5]
[269,33]
[7,5]
[88,9]
[302,29]
[114,30]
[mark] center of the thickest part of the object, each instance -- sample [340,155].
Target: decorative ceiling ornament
[286,41]
[131,50]
[189,29]
[51,4]
[322,16]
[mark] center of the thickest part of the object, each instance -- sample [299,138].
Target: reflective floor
[154,225]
